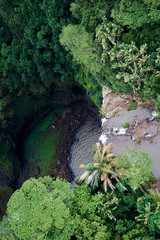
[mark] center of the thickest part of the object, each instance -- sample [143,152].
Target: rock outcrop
[116,102]
[137,128]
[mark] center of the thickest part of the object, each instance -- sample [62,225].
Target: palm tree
[145,214]
[151,208]
[155,196]
[102,170]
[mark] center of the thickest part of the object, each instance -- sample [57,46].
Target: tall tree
[40,209]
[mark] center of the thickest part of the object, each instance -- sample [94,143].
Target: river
[81,150]
[143,125]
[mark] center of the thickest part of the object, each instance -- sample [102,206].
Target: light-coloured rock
[146,129]
[141,126]
[116,102]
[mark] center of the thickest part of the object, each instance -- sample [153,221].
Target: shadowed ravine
[46,149]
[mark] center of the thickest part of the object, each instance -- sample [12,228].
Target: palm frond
[90,167]
[97,165]
[110,184]
[105,185]
[154,195]
[103,176]
[102,170]
[84,175]
[109,148]
[90,178]
[95,182]
[119,182]
[104,151]
[110,156]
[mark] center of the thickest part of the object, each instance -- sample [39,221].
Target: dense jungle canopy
[47,47]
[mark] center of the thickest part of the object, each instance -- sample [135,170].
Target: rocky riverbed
[139,128]
[143,132]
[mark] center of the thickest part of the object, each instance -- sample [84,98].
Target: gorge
[51,145]
[42,146]
[74,73]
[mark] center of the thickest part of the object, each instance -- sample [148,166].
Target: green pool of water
[40,147]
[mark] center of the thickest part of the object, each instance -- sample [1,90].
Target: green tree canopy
[131,13]
[134,166]
[47,209]
[40,207]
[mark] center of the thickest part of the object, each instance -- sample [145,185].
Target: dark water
[81,150]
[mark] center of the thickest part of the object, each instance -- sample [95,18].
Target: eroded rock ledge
[116,102]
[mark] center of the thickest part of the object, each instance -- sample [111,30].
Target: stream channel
[63,140]
[81,150]
[143,125]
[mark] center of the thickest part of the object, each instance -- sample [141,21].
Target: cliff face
[116,102]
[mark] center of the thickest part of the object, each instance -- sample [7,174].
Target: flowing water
[81,150]
[113,131]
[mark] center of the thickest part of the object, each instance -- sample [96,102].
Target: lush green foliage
[32,53]
[33,66]
[134,166]
[132,106]
[32,62]
[32,56]
[113,43]
[48,209]
[126,125]
[115,52]
[41,206]
[131,13]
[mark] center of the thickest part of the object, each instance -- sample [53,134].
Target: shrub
[138,141]
[132,106]
[126,125]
